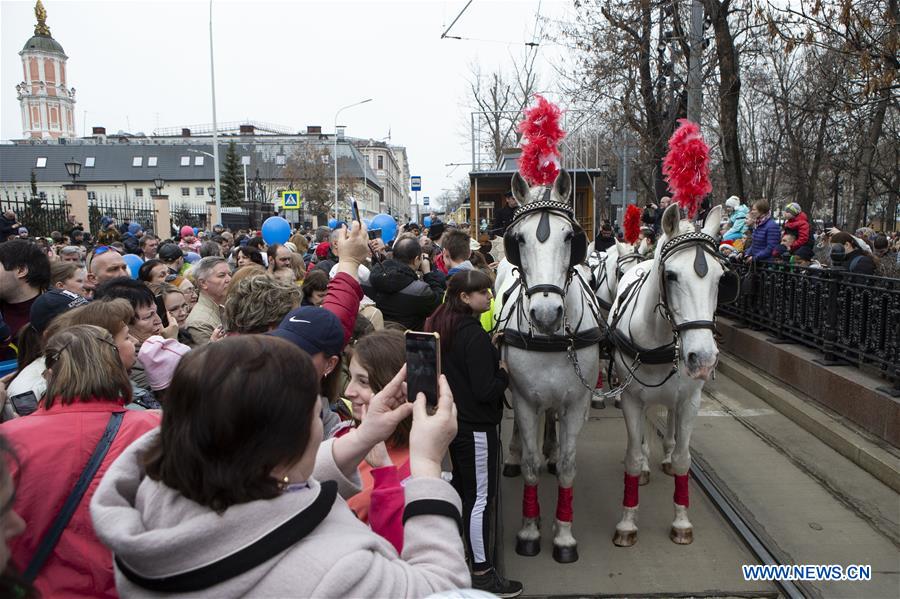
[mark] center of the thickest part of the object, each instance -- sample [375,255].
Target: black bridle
[703,244]
[545,207]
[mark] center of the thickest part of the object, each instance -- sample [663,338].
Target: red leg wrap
[631,490]
[530,506]
[681,490]
[564,504]
[599,379]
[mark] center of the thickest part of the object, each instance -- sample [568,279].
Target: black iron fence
[850,318]
[189,213]
[250,215]
[137,210]
[40,213]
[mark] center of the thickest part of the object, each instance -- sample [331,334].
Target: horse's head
[544,244]
[689,287]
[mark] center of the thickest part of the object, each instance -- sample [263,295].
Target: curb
[868,455]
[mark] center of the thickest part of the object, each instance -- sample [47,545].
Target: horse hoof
[529,547]
[512,470]
[667,468]
[565,555]
[598,404]
[551,468]
[682,536]
[645,477]
[625,539]
[618,404]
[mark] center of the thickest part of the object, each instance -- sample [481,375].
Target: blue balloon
[427,221]
[276,230]
[196,230]
[133,261]
[388,226]
[332,223]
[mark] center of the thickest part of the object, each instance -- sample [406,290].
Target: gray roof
[113,161]
[43,43]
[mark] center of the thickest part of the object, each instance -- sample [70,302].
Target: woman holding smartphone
[478,380]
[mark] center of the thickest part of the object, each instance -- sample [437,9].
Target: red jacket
[382,499]
[53,447]
[342,300]
[800,226]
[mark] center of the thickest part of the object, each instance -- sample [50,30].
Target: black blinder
[729,287]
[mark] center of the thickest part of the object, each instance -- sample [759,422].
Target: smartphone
[423,366]
[24,403]
[374,233]
[161,310]
[354,211]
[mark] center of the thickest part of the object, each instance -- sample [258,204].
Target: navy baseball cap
[312,329]
[51,304]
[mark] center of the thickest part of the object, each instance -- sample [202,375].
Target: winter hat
[733,202]
[322,249]
[793,209]
[187,231]
[169,252]
[105,221]
[23,231]
[133,228]
[160,357]
[192,257]
[804,252]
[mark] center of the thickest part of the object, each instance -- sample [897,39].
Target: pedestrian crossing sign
[291,200]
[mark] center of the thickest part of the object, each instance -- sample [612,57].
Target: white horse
[661,329]
[551,330]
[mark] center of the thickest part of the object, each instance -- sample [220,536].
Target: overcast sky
[139,65]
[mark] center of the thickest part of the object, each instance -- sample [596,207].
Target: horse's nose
[693,361]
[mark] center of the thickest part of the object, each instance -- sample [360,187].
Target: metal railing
[137,210]
[40,213]
[189,213]
[851,318]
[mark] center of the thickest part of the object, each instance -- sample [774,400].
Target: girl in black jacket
[478,380]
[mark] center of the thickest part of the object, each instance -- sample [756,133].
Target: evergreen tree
[232,180]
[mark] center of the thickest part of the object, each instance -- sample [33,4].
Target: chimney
[313,129]
[185,132]
[247,129]
[98,130]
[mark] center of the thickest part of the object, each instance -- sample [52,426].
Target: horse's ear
[563,185]
[713,221]
[670,220]
[520,188]
[623,248]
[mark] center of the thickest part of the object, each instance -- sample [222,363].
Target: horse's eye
[521,239]
[671,276]
[570,236]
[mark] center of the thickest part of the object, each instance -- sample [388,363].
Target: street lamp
[334,154]
[158,182]
[212,192]
[74,169]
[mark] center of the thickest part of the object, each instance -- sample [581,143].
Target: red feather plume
[686,167]
[539,163]
[631,223]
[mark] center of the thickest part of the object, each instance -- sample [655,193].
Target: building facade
[391,166]
[48,106]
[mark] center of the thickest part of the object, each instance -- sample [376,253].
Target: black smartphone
[354,211]
[423,366]
[374,233]
[161,310]
[24,403]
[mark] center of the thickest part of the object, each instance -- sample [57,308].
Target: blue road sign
[415,183]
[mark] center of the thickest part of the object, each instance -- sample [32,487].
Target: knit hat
[312,329]
[733,202]
[804,252]
[133,228]
[793,209]
[187,231]
[160,357]
[51,304]
[23,231]
[322,249]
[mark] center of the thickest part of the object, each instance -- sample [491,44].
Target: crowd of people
[203,412]
[755,234]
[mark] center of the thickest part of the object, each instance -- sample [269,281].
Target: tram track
[738,518]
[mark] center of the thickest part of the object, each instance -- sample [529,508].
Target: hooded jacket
[738,222]
[53,446]
[799,225]
[156,532]
[472,370]
[401,296]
